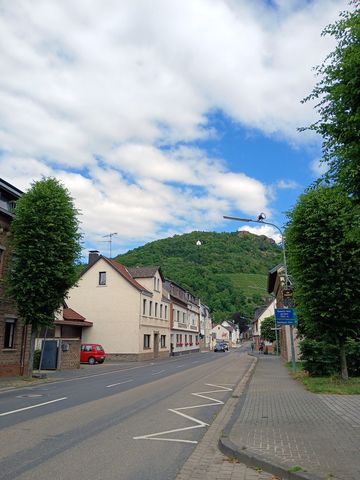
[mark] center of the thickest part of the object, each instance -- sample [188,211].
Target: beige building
[129,312]
[184,320]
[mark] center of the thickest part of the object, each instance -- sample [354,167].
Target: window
[161,310]
[156,309]
[102,278]
[158,285]
[144,306]
[190,340]
[178,316]
[9,335]
[163,341]
[146,341]
[150,308]
[165,311]
[184,317]
[154,283]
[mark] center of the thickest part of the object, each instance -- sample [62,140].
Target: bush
[321,359]
[36,360]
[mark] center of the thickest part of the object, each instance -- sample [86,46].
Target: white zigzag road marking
[199,423]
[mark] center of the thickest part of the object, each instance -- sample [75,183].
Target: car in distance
[92,353]
[221,347]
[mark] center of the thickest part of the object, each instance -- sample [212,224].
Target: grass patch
[333,384]
[295,468]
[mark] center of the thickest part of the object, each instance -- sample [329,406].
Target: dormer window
[102,278]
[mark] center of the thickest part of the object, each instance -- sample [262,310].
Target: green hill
[228,271]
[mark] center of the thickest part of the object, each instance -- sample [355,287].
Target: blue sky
[161,117]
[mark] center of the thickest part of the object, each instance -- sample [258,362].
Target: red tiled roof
[126,274]
[70,314]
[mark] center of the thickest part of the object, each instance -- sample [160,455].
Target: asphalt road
[134,421]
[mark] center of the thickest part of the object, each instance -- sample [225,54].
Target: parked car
[221,347]
[92,353]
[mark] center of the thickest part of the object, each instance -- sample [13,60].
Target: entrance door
[156,345]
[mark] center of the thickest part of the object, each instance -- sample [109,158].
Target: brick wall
[13,361]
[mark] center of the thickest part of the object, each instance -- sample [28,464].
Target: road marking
[196,361]
[158,373]
[199,423]
[32,406]
[179,366]
[120,383]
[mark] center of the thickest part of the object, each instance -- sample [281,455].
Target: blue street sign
[285,316]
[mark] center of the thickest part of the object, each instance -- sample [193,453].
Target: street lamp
[261,219]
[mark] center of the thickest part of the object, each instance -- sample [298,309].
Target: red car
[92,353]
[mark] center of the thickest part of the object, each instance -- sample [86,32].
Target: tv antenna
[109,235]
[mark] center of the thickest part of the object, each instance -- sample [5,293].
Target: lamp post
[261,219]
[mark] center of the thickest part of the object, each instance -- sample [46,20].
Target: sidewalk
[279,426]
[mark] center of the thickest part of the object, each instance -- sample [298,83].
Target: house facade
[220,333]
[14,336]
[233,330]
[261,313]
[205,327]
[184,320]
[130,320]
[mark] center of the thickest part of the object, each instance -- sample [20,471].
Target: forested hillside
[228,271]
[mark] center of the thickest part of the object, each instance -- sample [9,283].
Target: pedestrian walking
[252,346]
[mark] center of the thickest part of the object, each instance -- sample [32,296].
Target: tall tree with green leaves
[45,245]
[324,261]
[338,97]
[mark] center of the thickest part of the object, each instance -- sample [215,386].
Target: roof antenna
[110,235]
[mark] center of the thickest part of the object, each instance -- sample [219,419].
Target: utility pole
[110,235]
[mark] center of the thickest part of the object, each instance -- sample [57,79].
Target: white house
[234,331]
[205,327]
[128,309]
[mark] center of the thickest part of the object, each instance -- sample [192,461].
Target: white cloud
[266,230]
[318,167]
[90,90]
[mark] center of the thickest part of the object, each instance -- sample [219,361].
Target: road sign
[284,313]
[285,316]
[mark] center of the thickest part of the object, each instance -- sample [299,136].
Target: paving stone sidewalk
[277,421]
[207,462]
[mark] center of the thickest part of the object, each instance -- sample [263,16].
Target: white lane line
[179,366]
[199,423]
[32,406]
[196,361]
[158,373]
[120,383]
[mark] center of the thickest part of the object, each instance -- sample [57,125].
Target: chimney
[93,256]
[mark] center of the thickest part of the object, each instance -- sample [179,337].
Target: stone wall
[69,359]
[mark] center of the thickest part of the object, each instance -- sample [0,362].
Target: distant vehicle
[221,347]
[92,353]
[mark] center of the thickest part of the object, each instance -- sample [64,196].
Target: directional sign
[285,316]
[284,313]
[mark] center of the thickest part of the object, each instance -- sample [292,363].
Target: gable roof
[121,269]
[145,272]
[272,277]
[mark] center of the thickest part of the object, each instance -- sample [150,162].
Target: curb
[250,459]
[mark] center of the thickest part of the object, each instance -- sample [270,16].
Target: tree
[266,326]
[324,261]
[45,246]
[338,96]
[241,321]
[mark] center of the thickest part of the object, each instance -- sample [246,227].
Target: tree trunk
[343,363]
[34,331]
